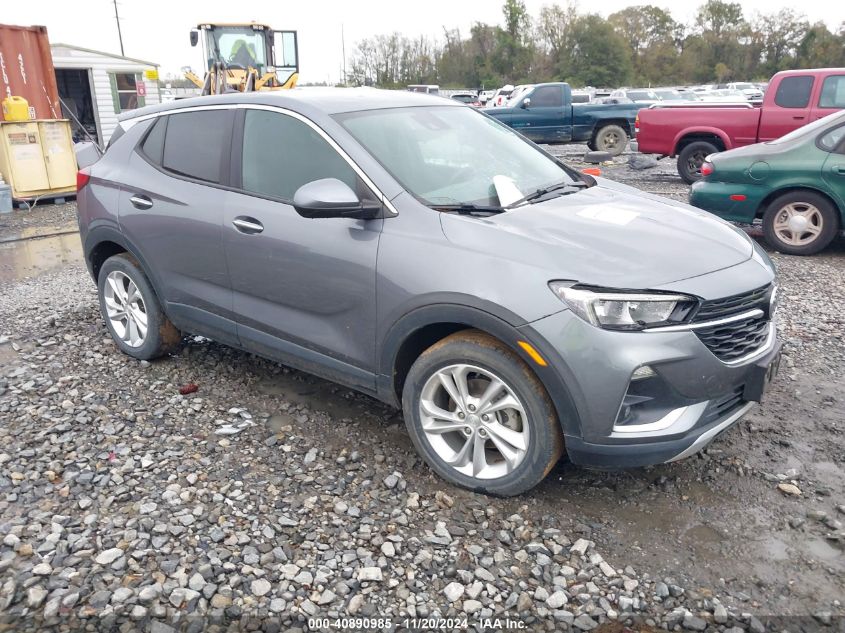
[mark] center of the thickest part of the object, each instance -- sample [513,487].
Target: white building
[97,86]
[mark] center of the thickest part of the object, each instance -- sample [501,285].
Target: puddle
[33,256]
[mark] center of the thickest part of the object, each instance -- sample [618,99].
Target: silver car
[515,309]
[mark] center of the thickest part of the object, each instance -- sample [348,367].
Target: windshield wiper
[542,191]
[468,208]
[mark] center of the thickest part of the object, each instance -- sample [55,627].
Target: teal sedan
[794,184]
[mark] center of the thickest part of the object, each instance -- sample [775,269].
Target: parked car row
[692,131]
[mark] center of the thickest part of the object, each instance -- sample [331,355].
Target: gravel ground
[268,497]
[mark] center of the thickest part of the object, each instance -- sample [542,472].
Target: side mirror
[195,37]
[526,103]
[331,198]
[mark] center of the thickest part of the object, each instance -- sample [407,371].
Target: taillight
[706,169]
[82,178]
[637,124]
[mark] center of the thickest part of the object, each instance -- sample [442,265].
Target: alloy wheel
[474,421]
[798,223]
[125,308]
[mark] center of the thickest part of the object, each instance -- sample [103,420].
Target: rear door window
[833,92]
[196,143]
[281,153]
[794,92]
[547,97]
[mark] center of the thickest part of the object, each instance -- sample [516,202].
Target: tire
[691,158]
[807,209]
[118,275]
[591,145]
[612,139]
[531,422]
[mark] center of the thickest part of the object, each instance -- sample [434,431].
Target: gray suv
[421,252]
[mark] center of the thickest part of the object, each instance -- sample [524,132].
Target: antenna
[343,47]
[119,34]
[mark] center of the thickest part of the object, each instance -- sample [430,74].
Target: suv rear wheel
[132,312]
[479,416]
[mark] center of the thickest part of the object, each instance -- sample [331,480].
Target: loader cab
[245,46]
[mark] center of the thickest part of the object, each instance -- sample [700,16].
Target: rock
[35,596]
[580,547]
[148,593]
[260,587]
[219,601]
[388,549]
[524,602]
[454,591]
[355,604]
[138,613]
[789,489]
[42,569]
[556,600]
[720,614]
[182,595]
[196,582]
[122,594]
[107,557]
[694,623]
[472,606]
[369,574]
[584,622]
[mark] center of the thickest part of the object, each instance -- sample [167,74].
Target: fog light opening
[643,372]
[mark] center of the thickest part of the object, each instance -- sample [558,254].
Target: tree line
[640,45]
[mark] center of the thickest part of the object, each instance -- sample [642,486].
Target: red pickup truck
[691,131]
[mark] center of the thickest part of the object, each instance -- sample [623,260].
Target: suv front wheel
[132,311]
[479,416]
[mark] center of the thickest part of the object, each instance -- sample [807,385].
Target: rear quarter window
[794,92]
[195,143]
[153,144]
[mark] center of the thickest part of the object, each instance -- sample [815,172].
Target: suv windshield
[451,156]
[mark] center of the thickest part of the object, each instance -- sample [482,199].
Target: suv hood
[608,235]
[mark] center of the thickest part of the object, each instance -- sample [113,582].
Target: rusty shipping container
[26,69]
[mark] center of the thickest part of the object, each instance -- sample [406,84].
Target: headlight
[614,310]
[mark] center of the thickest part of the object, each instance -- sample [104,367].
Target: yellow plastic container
[15,109]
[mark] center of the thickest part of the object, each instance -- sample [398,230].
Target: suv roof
[326,100]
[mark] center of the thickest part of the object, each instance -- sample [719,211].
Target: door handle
[798,118]
[248,225]
[839,169]
[140,201]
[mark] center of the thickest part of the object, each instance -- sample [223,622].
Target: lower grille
[723,406]
[731,341]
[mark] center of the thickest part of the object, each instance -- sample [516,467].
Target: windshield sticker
[611,216]
[506,190]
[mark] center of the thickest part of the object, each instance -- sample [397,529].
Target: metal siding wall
[101,66]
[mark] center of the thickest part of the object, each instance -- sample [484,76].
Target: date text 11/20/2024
[414,624]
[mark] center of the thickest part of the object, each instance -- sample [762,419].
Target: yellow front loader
[245,57]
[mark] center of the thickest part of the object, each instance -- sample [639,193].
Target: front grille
[736,339]
[735,304]
[722,407]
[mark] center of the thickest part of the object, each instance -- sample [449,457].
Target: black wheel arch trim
[493,324]
[97,234]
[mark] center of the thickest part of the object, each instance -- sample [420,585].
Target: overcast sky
[157,30]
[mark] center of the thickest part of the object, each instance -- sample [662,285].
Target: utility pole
[119,35]
[343,47]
